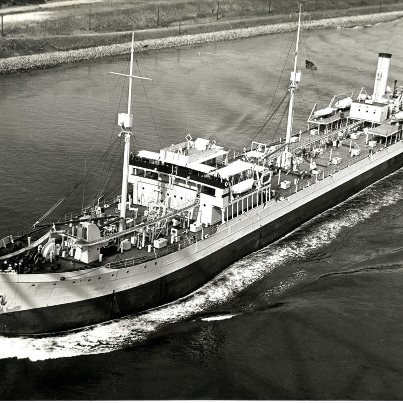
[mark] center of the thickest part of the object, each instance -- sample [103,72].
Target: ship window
[152,175]
[127,271]
[74,282]
[33,285]
[145,266]
[208,190]
[99,278]
[155,263]
[113,275]
[89,279]
[54,283]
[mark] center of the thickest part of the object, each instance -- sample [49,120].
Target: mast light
[125,120]
[295,76]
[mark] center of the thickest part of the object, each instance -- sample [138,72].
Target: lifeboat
[243,186]
[320,113]
[397,117]
[344,103]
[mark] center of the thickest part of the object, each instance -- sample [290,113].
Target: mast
[125,121]
[126,132]
[295,79]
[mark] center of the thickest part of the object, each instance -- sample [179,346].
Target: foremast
[295,79]
[125,121]
[127,133]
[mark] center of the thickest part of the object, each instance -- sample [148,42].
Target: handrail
[138,227]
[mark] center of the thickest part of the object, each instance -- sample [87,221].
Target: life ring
[226,184]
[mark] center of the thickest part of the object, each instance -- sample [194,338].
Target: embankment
[46,60]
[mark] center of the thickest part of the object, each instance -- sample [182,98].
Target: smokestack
[381,76]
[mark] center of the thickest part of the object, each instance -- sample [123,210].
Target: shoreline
[25,63]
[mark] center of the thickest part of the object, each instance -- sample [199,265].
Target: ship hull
[187,279]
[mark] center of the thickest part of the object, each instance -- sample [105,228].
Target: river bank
[52,59]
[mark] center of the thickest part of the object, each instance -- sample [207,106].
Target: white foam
[218,317]
[132,330]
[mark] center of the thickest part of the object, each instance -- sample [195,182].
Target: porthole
[89,279]
[145,266]
[74,282]
[113,275]
[33,285]
[54,283]
[155,263]
[127,271]
[99,278]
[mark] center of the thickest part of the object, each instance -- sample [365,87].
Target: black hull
[178,284]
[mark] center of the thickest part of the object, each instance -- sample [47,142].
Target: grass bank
[127,15]
[45,60]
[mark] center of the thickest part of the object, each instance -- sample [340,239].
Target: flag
[309,65]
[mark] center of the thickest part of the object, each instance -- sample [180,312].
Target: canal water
[316,315]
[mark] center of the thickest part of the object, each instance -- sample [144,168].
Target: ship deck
[330,151]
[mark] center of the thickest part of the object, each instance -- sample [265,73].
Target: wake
[132,330]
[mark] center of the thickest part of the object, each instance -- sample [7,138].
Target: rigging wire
[113,192]
[114,166]
[269,114]
[305,108]
[305,45]
[282,116]
[149,107]
[265,83]
[100,165]
[316,86]
[112,175]
[114,159]
[270,117]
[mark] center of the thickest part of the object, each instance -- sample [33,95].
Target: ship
[188,211]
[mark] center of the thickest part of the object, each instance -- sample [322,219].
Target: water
[314,316]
